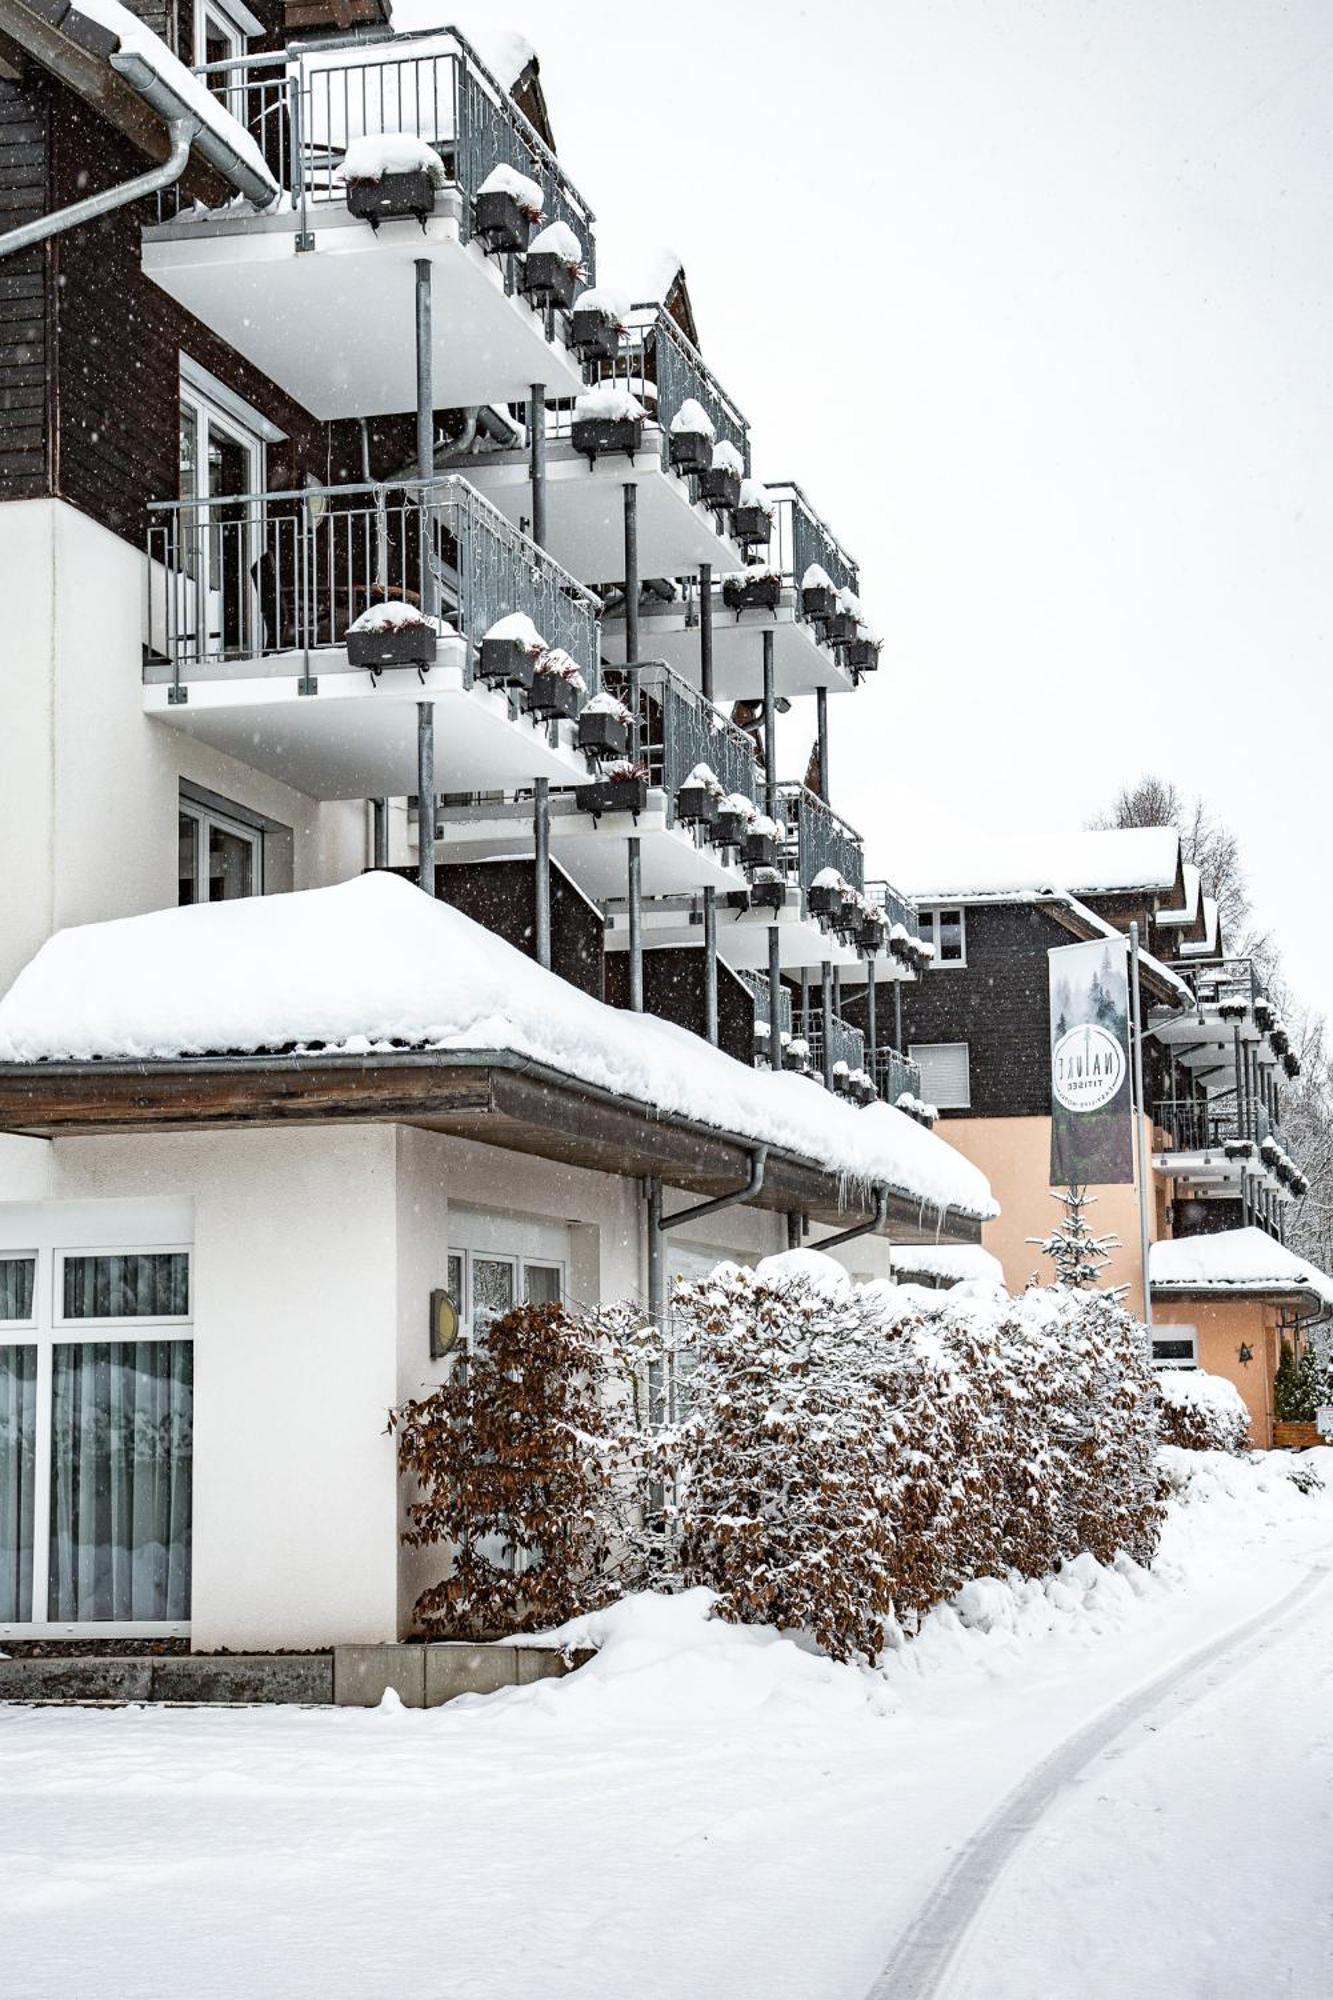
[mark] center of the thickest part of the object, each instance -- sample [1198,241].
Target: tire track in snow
[936,1935]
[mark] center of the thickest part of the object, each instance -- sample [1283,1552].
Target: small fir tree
[1302,1386]
[1079,1256]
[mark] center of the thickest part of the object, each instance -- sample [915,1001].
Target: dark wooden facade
[502,896]
[674,982]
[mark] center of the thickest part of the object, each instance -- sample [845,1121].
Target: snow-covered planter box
[870,932]
[598,323]
[860,1088]
[768,890]
[819,597]
[557,687]
[861,655]
[393,634]
[510,651]
[796,1054]
[1291,1064]
[391,174]
[691,438]
[623,788]
[840,629]
[758,588]
[752,515]
[553,268]
[607,419]
[761,845]
[1202,1412]
[700,797]
[604,727]
[824,896]
[734,816]
[507,209]
[720,484]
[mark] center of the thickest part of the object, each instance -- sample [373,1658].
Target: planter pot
[842,1083]
[819,602]
[594,335]
[612,795]
[506,663]
[696,805]
[395,646]
[840,629]
[767,895]
[862,656]
[593,436]
[500,223]
[1292,1065]
[691,451]
[603,735]
[392,195]
[547,280]
[823,900]
[757,594]
[1296,1436]
[720,487]
[728,829]
[759,850]
[553,695]
[750,524]
[870,938]
[901,949]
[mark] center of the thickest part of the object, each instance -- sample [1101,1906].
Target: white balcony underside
[335,326]
[742,938]
[594,855]
[354,739]
[1187,1032]
[800,663]
[585,510]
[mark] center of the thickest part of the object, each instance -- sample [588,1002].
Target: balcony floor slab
[742,937]
[592,853]
[800,663]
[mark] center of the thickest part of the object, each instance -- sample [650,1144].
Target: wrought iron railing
[260,574]
[846,1043]
[304,106]
[822,840]
[799,539]
[896,1075]
[678,730]
[662,369]
[895,906]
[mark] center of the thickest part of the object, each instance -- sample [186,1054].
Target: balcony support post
[898,1016]
[537,460]
[706,630]
[425,422]
[379,814]
[826,1009]
[770,732]
[710,965]
[1142,1147]
[774,997]
[872,1024]
[541,851]
[635,925]
[795,1229]
[631,572]
[821,722]
[426,796]
[1238,1063]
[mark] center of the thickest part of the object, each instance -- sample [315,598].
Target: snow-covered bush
[1202,1412]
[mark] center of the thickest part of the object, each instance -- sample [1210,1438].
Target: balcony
[1216,1147]
[822,841]
[896,1076]
[1231,1004]
[322,302]
[772,1040]
[846,1048]
[250,600]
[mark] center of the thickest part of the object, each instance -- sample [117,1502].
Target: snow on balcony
[1234,1260]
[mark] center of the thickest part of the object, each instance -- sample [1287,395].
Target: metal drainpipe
[631,572]
[710,965]
[795,1223]
[541,844]
[658,1225]
[774,997]
[770,733]
[635,925]
[379,809]
[898,1015]
[181,131]
[537,460]
[876,1222]
[706,630]
[821,720]
[826,1012]
[425,471]
[872,1023]
[1245,1215]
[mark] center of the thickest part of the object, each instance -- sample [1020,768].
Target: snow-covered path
[705,1810]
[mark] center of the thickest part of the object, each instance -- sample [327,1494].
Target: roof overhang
[1269,1292]
[495,1098]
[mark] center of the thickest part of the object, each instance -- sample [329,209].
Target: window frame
[929,921]
[234,821]
[520,1263]
[1165,1331]
[914,1051]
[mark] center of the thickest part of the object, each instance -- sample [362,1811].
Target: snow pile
[518,626]
[395,614]
[611,304]
[373,966]
[692,420]
[374,155]
[753,494]
[504,179]
[726,458]
[610,402]
[559,241]
[1101,863]
[1202,1412]
[950,1263]
[606,703]
[816,578]
[1234,1260]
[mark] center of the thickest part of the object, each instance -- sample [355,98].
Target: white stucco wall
[88,802]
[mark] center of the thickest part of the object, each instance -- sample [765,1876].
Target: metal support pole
[426,796]
[541,861]
[774,997]
[631,571]
[379,813]
[656,1274]
[635,925]
[706,630]
[1238,1063]
[821,723]
[537,460]
[898,1017]
[770,733]
[425,421]
[794,1231]
[710,965]
[826,1008]
[1140,1148]
[872,1023]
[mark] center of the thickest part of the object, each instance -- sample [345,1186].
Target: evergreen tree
[1077,1254]
[1302,1386]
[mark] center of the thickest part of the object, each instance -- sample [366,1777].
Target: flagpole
[1139,1148]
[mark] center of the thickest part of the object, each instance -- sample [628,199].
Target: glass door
[221,466]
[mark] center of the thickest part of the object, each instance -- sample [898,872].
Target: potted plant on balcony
[607,419]
[392,634]
[752,516]
[842,1077]
[699,797]
[507,208]
[734,816]
[598,323]
[758,587]
[623,787]
[824,896]
[862,1089]
[557,688]
[761,846]
[796,1054]
[871,930]
[840,628]
[819,597]
[720,485]
[900,944]
[768,889]
[510,651]
[604,726]
[553,268]
[691,437]
[391,174]
[1291,1063]
[861,654]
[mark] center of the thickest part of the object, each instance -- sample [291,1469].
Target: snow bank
[1202,1412]
[374,155]
[1238,1260]
[693,420]
[373,965]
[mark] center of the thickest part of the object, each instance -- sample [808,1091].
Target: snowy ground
[708,1811]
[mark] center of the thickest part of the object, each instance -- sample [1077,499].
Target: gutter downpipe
[876,1222]
[94,206]
[658,1225]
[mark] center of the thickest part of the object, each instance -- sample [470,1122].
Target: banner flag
[1092,1126]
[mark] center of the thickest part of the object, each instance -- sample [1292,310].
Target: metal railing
[303,107]
[1198,1126]
[846,1043]
[822,840]
[678,729]
[1226,983]
[762,995]
[663,369]
[257,574]
[799,539]
[895,906]
[896,1075]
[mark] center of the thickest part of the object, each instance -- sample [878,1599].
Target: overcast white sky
[1036,301]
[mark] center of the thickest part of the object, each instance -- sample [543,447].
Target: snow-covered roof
[1188,911]
[1234,1260]
[1207,946]
[956,1263]
[375,966]
[1104,862]
[1163,973]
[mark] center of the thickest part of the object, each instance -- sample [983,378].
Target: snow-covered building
[357,532]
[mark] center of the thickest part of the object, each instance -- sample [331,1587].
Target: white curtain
[18,1452]
[121,1462]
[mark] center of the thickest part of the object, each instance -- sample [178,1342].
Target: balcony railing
[259,574]
[1226,984]
[846,1043]
[304,106]
[895,906]
[799,539]
[663,369]
[896,1076]
[678,730]
[1199,1127]
[822,839]
[761,994]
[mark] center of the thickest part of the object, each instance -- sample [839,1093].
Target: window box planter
[824,899]
[501,222]
[720,486]
[393,646]
[870,936]
[696,805]
[750,524]
[554,696]
[594,333]
[602,735]
[752,593]
[862,656]
[594,437]
[612,795]
[819,602]
[692,452]
[1291,1063]
[507,663]
[393,195]
[548,280]
[840,629]
[842,1080]
[729,828]
[759,850]
[768,895]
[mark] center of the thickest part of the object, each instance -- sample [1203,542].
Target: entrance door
[219,458]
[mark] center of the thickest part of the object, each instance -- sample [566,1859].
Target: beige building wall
[1223,1327]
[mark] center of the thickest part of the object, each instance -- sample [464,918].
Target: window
[222,30]
[485,1287]
[221,462]
[947,931]
[945,1074]
[1178,1349]
[220,856]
